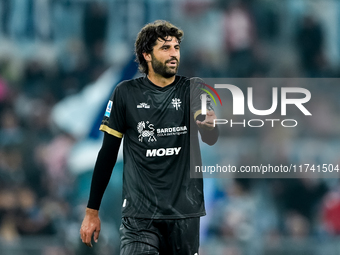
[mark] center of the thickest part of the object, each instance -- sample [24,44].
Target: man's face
[165,57]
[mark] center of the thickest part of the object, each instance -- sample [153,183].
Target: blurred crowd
[36,187]
[46,57]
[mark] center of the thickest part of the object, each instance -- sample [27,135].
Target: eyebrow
[164,41]
[167,45]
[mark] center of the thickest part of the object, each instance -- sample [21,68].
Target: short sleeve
[197,88]
[114,121]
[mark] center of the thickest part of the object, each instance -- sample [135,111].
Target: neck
[160,80]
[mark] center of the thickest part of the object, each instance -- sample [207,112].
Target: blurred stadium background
[60,60]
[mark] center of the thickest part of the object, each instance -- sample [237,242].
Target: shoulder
[129,83]
[191,83]
[181,78]
[196,81]
[182,81]
[188,80]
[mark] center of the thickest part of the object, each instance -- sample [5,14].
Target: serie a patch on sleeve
[108,109]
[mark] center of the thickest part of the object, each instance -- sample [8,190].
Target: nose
[174,52]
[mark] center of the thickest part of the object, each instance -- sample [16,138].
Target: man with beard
[162,205]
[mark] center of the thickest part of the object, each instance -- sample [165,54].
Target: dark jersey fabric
[155,123]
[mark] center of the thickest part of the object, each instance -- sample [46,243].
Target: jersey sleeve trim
[197,113]
[110,131]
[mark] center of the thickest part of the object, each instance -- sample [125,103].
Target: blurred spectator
[330,213]
[11,169]
[95,28]
[235,217]
[34,75]
[21,214]
[8,209]
[297,226]
[75,65]
[31,219]
[267,19]
[4,91]
[95,25]
[299,201]
[53,157]
[310,40]
[240,37]
[10,131]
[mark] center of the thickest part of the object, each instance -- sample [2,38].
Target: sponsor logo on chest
[148,132]
[143,105]
[163,152]
[172,131]
[176,103]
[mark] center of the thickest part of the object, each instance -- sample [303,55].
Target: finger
[88,244]
[210,117]
[210,113]
[207,125]
[207,122]
[87,240]
[96,235]
[83,238]
[199,123]
[82,235]
[86,236]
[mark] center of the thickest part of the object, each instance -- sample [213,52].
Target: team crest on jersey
[146,130]
[176,102]
[143,105]
[108,109]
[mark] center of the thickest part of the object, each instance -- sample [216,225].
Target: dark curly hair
[147,37]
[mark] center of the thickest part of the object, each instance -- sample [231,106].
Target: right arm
[105,162]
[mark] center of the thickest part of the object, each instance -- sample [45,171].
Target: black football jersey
[155,123]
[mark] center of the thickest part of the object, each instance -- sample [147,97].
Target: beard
[163,69]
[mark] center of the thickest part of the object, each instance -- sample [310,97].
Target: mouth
[172,63]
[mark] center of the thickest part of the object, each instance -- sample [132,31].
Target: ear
[147,56]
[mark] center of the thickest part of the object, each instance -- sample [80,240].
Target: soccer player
[159,117]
